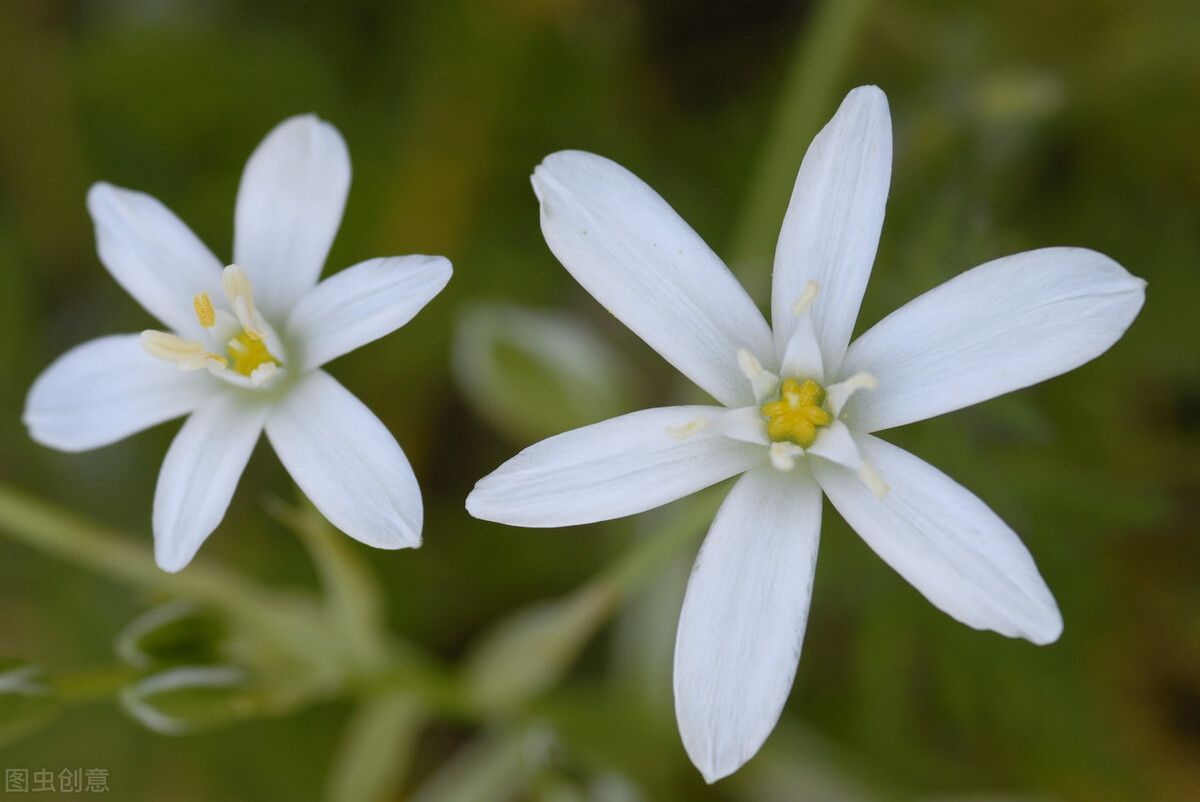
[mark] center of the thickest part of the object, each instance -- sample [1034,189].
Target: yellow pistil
[248,353]
[794,418]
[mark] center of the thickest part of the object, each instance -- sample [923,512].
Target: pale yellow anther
[794,418]
[750,366]
[807,296]
[762,382]
[688,429]
[204,310]
[241,297]
[260,374]
[783,455]
[840,393]
[187,354]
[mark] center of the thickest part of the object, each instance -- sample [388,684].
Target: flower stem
[93,685]
[294,623]
[352,595]
[63,535]
[649,554]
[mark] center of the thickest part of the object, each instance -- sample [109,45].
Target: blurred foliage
[1017,125]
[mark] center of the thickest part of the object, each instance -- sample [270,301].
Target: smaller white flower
[244,350]
[799,407]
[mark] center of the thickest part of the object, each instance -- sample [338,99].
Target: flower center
[249,354]
[795,417]
[239,335]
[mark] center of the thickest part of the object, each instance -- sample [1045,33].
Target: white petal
[289,207]
[744,423]
[362,303]
[743,618]
[832,225]
[638,258]
[347,462]
[946,542]
[1004,325]
[107,389]
[835,443]
[153,255]
[613,468]
[802,354]
[199,474]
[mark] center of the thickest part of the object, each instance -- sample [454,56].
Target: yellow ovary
[248,353]
[795,417]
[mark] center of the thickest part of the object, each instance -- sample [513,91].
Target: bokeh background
[1017,125]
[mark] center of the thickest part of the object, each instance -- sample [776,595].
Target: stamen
[783,455]
[260,374]
[748,362]
[807,296]
[187,354]
[204,310]
[840,393]
[744,423]
[241,298]
[762,382]
[802,353]
[678,432]
[873,480]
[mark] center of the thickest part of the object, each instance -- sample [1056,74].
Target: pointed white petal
[289,207]
[613,468]
[638,258]
[743,618]
[1004,325]
[832,225]
[360,304]
[199,474]
[347,462]
[946,542]
[107,389]
[153,255]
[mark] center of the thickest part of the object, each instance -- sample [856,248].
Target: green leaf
[534,374]
[530,650]
[499,767]
[376,749]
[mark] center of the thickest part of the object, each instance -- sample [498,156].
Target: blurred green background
[1017,125]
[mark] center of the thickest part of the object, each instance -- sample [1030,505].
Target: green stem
[809,90]
[352,595]
[94,685]
[650,553]
[294,623]
[75,540]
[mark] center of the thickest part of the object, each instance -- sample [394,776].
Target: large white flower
[245,350]
[799,407]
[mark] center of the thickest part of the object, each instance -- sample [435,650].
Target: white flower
[1004,325]
[245,350]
